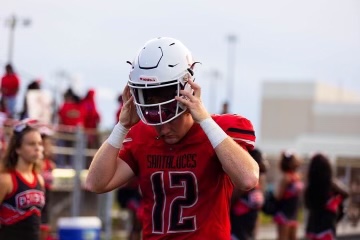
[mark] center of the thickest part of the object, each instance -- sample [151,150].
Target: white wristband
[213,131]
[117,135]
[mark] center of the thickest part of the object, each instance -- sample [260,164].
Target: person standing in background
[91,122]
[21,185]
[288,194]
[225,108]
[71,112]
[246,206]
[71,115]
[34,85]
[91,118]
[9,88]
[323,197]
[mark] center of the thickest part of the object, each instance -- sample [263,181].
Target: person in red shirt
[91,121]
[186,160]
[9,88]
[91,118]
[71,116]
[71,112]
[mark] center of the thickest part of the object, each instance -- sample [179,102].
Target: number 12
[186,196]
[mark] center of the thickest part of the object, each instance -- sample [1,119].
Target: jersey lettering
[170,162]
[187,195]
[30,198]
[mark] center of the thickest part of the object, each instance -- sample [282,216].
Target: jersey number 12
[185,185]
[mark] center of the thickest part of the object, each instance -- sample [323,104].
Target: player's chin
[171,140]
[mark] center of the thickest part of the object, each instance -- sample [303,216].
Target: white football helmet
[160,70]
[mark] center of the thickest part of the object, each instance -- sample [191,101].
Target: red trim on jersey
[334,203]
[281,219]
[10,216]
[326,235]
[29,184]
[240,129]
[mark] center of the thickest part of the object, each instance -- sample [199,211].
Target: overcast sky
[91,40]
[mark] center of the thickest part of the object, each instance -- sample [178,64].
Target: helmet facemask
[156,103]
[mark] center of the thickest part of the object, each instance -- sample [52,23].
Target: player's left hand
[193,102]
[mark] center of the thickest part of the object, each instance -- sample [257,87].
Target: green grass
[265,219]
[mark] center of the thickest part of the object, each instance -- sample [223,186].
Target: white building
[310,117]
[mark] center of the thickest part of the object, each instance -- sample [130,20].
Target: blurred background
[291,67]
[241,44]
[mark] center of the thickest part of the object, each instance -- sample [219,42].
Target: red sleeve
[239,128]
[126,155]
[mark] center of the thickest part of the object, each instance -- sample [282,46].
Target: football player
[186,160]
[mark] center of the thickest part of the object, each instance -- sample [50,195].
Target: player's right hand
[128,115]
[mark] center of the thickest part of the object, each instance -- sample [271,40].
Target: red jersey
[91,118]
[186,193]
[10,85]
[91,115]
[72,114]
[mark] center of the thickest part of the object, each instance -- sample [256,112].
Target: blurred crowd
[19,145]
[305,192]
[71,113]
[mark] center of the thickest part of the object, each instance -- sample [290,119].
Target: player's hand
[128,115]
[193,102]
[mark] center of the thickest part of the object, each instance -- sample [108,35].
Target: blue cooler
[79,228]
